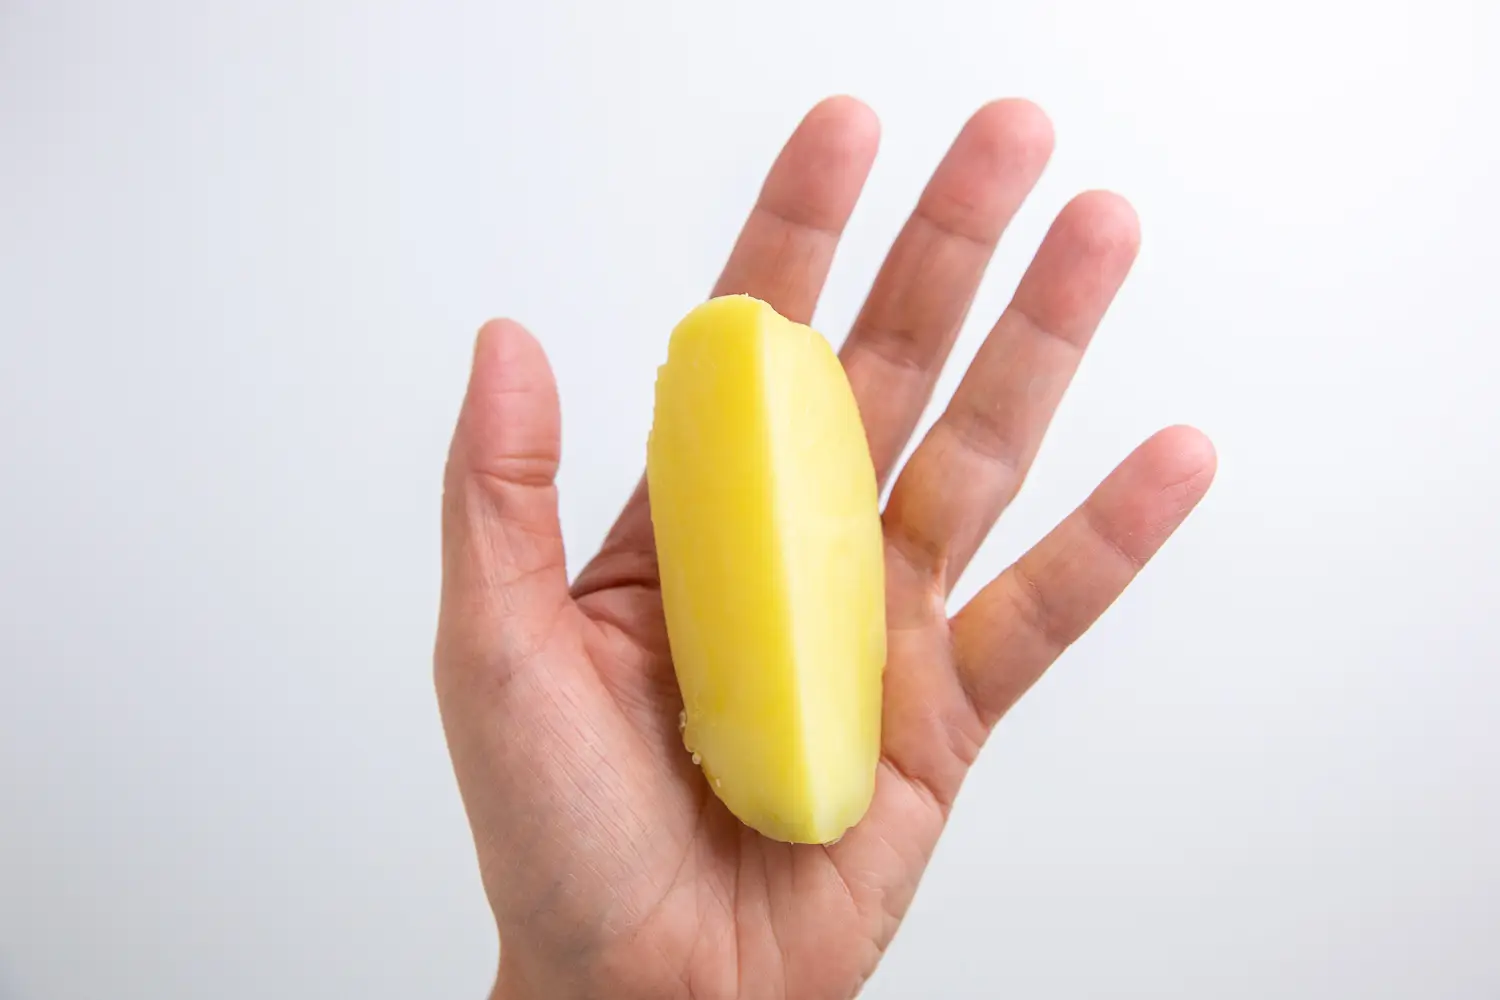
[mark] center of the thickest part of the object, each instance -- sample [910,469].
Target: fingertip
[1194,446]
[1080,266]
[988,171]
[499,334]
[506,356]
[846,120]
[511,406]
[1011,125]
[1101,223]
[817,179]
[1176,463]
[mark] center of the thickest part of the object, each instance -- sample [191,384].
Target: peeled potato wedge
[767,521]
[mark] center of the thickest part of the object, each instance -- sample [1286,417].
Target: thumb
[503,568]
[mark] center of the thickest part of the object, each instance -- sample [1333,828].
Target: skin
[611,868]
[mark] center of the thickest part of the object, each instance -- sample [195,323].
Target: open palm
[611,867]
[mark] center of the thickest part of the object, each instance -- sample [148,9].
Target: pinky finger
[1014,628]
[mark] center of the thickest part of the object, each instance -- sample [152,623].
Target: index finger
[782,256]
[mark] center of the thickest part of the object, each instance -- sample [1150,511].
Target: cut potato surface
[767,522]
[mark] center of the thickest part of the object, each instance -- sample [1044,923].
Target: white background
[243,251]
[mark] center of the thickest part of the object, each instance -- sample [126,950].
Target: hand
[612,869]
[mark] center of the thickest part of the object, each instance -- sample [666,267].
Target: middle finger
[903,334]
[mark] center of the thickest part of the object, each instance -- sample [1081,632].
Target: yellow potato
[767,522]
